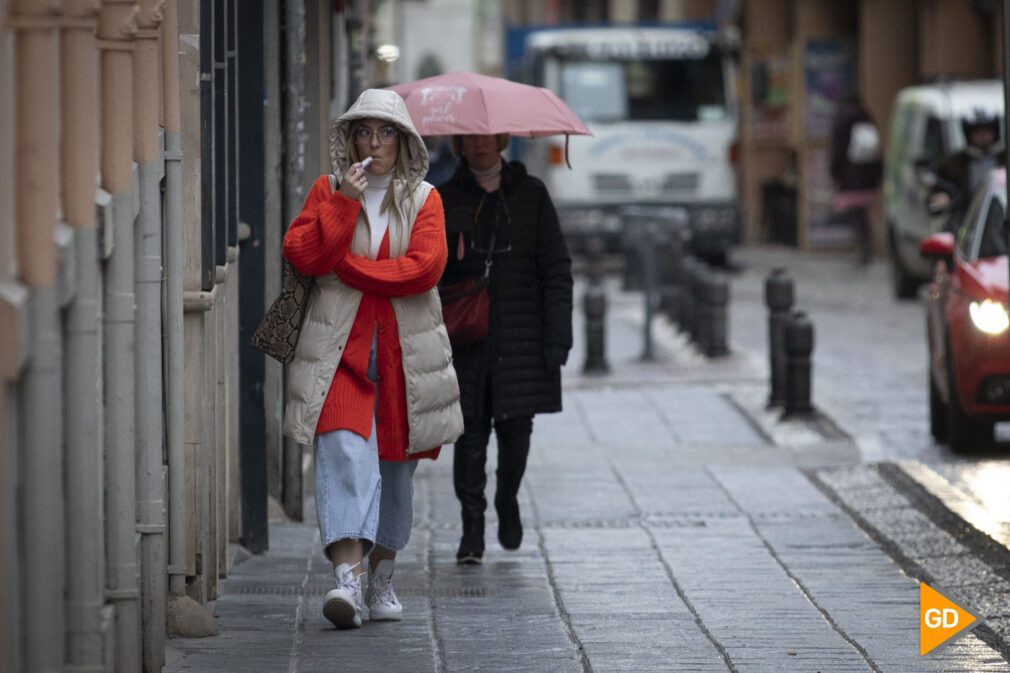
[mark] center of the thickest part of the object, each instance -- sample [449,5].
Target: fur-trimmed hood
[388,106]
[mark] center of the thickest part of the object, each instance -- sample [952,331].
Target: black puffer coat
[530,290]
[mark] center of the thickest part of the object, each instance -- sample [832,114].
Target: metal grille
[611,182]
[681,182]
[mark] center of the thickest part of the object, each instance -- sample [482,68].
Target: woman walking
[372,347]
[497,212]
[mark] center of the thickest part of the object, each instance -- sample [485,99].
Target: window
[966,229]
[673,89]
[933,146]
[994,239]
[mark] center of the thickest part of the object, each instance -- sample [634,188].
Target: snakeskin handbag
[278,333]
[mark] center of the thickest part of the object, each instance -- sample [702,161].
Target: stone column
[35,25]
[147,153]
[85,535]
[116,30]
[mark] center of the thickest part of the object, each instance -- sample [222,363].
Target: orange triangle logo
[940,619]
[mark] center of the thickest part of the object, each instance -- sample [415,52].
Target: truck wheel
[937,412]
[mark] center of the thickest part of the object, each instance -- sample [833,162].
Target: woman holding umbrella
[496,212]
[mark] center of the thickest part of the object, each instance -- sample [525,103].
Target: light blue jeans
[359,496]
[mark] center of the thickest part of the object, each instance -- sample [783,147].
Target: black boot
[469,479]
[513,450]
[471,544]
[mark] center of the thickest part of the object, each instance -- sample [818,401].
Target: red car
[967,322]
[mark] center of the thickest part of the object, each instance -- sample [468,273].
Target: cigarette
[364,164]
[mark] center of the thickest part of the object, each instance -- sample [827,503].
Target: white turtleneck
[375,192]
[490,178]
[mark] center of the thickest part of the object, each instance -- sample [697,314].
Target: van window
[901,135]
[933,147]
[665,89]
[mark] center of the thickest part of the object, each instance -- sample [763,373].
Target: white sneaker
[343,604]
[383,606]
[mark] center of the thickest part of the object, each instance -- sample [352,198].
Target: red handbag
[465,310]
[466,307]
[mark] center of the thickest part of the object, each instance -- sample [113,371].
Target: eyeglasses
[385,134]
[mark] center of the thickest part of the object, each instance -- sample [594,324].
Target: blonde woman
[372,386]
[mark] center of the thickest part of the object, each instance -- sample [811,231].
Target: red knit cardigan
[317,243]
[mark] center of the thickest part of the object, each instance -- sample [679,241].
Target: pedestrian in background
[493,206]
[856,170]
[372,347]
[959,173]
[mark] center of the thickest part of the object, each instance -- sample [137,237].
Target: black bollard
[779,299]
[669,277]
[647,260]
[799,347]
[712,314]
[699,330]
[687,305]
[594,304]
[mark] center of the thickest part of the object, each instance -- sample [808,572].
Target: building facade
[151,152]
[800,57]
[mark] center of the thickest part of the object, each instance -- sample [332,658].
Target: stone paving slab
[670,526]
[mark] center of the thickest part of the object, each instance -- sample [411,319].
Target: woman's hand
[354,182]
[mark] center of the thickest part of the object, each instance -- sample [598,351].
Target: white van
[925,126]
[660,103]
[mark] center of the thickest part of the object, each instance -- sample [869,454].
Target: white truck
[660,103]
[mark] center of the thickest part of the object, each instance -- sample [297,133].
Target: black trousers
[469,471]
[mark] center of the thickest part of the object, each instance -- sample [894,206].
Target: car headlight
[989,316]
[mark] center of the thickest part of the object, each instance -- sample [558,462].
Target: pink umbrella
[465,103]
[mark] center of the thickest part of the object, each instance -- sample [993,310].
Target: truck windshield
[671,90]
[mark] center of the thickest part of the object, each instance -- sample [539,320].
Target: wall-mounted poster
[830,72]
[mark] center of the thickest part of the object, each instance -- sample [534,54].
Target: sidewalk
[671,525]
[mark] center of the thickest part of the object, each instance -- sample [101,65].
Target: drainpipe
[116,28]
[147,252]
[174,363]
[233,525]
[211,432]
[230,529]
[294,184]
[85,567]
[186,617]
[34,23]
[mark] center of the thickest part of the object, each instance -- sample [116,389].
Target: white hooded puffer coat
[433,411]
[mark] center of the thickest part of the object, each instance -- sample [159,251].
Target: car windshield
[675,90]
[993,241]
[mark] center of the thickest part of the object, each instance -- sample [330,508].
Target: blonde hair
[401,167]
